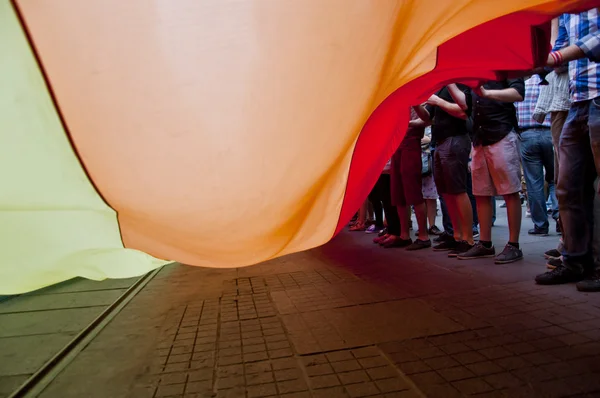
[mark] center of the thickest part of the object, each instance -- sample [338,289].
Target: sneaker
[591,284]
[552,253]
[510,254]
[554,263]
[446,246]
[419,244]
[475,233]
[477,251]
[527,214]
[434,230]
[372,229]
[397,242]
[537,231]
[558,276]
[462,247]
[503,205]
[445,236]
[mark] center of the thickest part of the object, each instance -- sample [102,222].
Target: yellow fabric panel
[222,131]
[53,224]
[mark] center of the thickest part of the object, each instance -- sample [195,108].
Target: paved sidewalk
[349,319]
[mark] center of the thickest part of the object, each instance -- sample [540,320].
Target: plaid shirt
[584,74]
[526,108]
[590,45]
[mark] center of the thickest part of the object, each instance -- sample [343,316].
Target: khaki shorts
[496,169]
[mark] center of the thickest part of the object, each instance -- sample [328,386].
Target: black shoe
[554,263]
[382,232]
[444,237]
[419,244]
[558,276]
[475,233]
[446,246]
[510,254]
[552,253]
[477,251]
[590,284]
[434,230]
[538,231]
[462,247]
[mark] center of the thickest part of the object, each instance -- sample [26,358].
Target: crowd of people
[536,139]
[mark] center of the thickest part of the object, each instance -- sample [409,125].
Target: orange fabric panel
[221,131]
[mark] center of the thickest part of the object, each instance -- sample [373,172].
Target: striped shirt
[554,97]
[526,108]
[584,74]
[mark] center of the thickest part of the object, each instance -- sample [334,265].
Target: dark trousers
[382,193]
[579,155]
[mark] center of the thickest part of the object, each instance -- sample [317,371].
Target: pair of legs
[430,195]
[537,155]
[407,189]
[496,170]
[376,199]
[451,161]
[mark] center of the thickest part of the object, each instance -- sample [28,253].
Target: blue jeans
[552,201]
[537,155]
[579,154]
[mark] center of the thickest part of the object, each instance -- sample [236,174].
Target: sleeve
[562,40]
[517,84]
[590,45]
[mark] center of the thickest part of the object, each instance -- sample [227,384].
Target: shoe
[537,231]
[552,253]
[527,214]
[372,229]
[461,247]
[434,230]
[445,236]
[419,244]
[503,205]
[590,284]
[510,254]
[446,246]
[477,251]
[475,233]
[380,238]
[397,242]
[558,276]
[554,263]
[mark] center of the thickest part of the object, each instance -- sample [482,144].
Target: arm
[418,123]
[450,108]
[515,92]
[458,96]
[423,113]
[588,46]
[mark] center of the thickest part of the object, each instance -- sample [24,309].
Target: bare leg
[421,214]
[404,215]
[454,218]
[431,211]
[513,209]
[465,214]
[485,213]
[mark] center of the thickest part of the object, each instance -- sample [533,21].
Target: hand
[434,100]
[480,91]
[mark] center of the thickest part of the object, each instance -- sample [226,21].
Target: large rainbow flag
[218,133]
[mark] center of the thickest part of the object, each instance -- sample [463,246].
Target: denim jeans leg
[575,190]
[548,162]
[472,200]
[446,222]
[533,167]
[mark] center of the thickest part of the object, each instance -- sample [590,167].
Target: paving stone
[324,381]
[362,389]
[472,386]
[455,373]
[357,376]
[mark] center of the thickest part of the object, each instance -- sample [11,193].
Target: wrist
[556,57]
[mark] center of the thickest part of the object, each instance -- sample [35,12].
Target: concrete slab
[26,303]
[46,322]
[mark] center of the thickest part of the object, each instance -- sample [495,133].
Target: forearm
[452,109]
[418,123]
[504,95]
[458,96]
[422,113]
